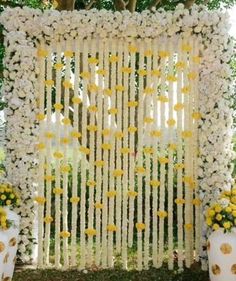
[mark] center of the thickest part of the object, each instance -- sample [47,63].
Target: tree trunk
[131,6]
[68,5]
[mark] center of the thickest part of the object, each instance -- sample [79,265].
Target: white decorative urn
[221,250]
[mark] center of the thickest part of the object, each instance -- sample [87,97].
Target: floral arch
[153,89]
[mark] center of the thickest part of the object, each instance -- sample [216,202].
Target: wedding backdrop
[118,132]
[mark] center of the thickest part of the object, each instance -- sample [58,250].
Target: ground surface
[193,274]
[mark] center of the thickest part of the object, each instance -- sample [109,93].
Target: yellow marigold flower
[186,48]
[227,225]
[119,88]
[179,201]
[48,219]
[218,208]
[188,226]
[58,66]
[93,60]
[40,200]
[92,108]
[119,134]
[156,133]
[40,146]
[196,202]
[132,193]
[67,84]
[118,173]
[90,231]
[111,228]
[187,134]
[125,150]
[156,72]
[58,154]
[85,74]
[148,120]
[140,226]
[57,190]
[163,98]
[65,169]
[113,59]
[180,65]
[171,78]
[196,115]
[84,150]
[127,70]
[215,226]
[148,150]
[98,205]
[155,183]
[171,122]
[101,72]
[49,135]
[49,82]
[106,146]
[93,88]
[233,199]
[218,217]
[99,163]
[179,166]
[76,100]
[65,140]
[209,221]
[178,106]
[164,54]
[132,49]
[163,160]
[75,134]
[40,116]
[132,129]
[107,92]
[58,106]
[91,183]
[92,128]
[148,53]
[142,72]
[161,214]
[132,103]
[66,121]
[148,91]
[68,54]
[196,59]
[3,197]
[113,110]
[140,170]
[228,210]
[42,53]
[65,234]
[106,132]
[187,179]
[185,90]
[234,213]
[111,193]
[192,75]
[49,178]
[74,200]
[172,146]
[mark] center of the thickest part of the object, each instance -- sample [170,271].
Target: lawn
[163,274]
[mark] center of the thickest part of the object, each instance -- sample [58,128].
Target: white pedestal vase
[3,250]
[12,234]
[222,255]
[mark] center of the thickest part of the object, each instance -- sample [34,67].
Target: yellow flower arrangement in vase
[8,196]
[5,223]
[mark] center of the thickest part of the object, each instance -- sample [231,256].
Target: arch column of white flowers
[30,37]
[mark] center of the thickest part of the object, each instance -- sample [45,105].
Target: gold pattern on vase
[5,260]
[2,247]
[226,248]
[12,242]
[215,269]
[233,268]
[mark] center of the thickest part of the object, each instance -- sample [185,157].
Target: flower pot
[221,250]
[3,251]
[12,234]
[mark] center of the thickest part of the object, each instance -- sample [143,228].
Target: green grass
[162,274]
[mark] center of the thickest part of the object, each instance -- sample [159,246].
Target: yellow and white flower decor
[131,107]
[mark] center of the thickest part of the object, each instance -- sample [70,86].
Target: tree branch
[154,3]
[131,5]
[120,5]
[90,4]
[188,4]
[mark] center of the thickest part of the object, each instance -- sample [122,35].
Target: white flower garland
[21,83]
